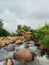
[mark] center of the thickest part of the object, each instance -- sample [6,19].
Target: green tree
[26,28]
[13,34]
[1,24]
[45,40]
[19,27]
[3,32]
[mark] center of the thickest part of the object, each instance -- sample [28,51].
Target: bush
[45,40]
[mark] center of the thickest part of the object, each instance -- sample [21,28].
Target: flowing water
[37,61]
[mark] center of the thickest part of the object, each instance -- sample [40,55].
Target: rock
[34,54]
[27,42]
[27,35]
[10,48]
[42,52]
[24,40]
[47,54]
[47,48]
[18,42]
[26,46]
[9,61]
[21,37]
[0,43]
[37,44]
[42,47]
[23,56]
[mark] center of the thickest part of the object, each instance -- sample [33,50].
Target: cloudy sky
[34,13]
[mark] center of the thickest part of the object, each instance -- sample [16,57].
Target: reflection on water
[38,60]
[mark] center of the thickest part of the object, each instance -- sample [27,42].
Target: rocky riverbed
[8,51]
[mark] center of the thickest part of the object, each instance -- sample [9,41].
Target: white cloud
[33,13]
[9,18]
[11,21]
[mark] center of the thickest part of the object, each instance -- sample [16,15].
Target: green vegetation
[13,34]
[1,24]
[40,35]
[3,32]
[19,28]
[26,28]
[45,40]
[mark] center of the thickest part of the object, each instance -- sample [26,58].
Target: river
[37,61]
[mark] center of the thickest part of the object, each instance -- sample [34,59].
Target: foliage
[19,28]
[3,32]
[26,28]
[42,35]
[45,40]
[13,34]
[1,24]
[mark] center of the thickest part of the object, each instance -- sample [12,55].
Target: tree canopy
[1,24]
[42,35]
[3,32]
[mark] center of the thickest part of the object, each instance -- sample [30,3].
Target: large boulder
[18,42]
[23,56]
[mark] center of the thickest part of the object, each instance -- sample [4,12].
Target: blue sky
[34,13]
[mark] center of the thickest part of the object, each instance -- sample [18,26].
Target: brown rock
[9,61]
[23,56]
[27,42]
[18,42]
[42,47]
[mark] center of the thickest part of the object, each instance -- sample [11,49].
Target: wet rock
[9,61]
[18,42]
[10,48]
[34,54]
[23,56]
[42,52]
[4,43]
[24,40]
[47,54]
[27,42]
[37,44]
[26,46]
[14,45]
[42,47]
